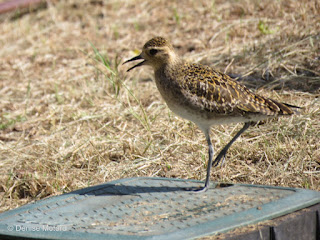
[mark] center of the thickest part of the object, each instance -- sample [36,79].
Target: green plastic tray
[151,208]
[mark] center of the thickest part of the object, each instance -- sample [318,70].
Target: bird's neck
[170,66]
[169,63]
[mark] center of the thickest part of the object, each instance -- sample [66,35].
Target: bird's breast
[171,91]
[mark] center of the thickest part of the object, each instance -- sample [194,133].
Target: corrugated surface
[145,208]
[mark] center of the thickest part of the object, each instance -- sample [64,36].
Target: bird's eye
[153,52]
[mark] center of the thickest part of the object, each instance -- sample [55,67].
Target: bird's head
[155,53]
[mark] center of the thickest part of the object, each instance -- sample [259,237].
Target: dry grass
[68,120]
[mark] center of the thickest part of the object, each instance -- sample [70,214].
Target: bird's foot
[197,189]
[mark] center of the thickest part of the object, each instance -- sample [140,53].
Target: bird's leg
[225,149]
[220,155]
[211,152]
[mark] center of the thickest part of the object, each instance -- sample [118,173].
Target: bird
[205,96]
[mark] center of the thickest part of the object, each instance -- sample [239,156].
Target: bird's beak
[134,59]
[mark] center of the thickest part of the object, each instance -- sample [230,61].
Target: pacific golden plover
[205,96]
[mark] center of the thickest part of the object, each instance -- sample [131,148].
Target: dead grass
[68,120]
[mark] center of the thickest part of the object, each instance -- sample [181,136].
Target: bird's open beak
[134,59]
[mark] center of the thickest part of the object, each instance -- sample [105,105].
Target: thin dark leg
[211,152]
[221,154]
[225,149]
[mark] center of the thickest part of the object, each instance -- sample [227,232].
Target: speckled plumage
[217,95]
[157,42]
[204,95]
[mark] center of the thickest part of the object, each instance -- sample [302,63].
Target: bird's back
[216,95]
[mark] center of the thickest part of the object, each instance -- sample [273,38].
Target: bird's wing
[216,92]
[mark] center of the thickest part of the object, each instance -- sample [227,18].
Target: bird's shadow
[120,189]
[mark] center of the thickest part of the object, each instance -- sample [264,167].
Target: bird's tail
[295,109]
[286,109]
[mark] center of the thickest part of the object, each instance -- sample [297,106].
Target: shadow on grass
[302,82]
[282,63]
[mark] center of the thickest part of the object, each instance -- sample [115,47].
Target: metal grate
[141,208]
